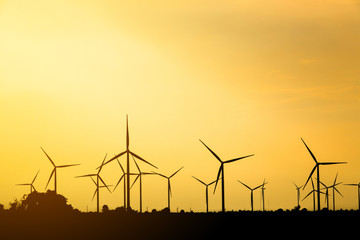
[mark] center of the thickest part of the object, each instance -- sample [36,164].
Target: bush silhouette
[48,202]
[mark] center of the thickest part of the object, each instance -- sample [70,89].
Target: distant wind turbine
[335,189]
[128,153]
[251,194]
[98,179]
[32,188]
[221,172]
[326,194]
[139,176]
[120,179]
[313,192]
[263,194]
[169,185]
[317,167]
[298,194]
[358,186]
[53,173]
[206,192]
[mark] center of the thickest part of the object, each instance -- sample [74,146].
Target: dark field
[161,225]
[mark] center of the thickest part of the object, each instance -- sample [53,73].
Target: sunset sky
[246,77]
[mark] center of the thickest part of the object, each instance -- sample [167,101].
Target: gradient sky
[246,77]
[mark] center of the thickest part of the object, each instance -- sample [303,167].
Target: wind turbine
[139,176]
[335,189]
[221,171]
[169,185]
[98,179]
[298,194]
[128,153]
[30,184]
[317,167]
[358,185]
[251,195]
[206,192]
[121,178]
[263,194]
[326,194]
[96,190]
[54,170]
[313,192]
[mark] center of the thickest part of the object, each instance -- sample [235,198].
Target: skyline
[245,77]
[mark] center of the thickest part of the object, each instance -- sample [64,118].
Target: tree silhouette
[46,203]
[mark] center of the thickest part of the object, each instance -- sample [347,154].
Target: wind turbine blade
[335,178]
[176,172]
[217,157]
[258,186]
[23,184]
[87,175]
[93,181]
[295,185]
[33,188]
[52,173]
[218,176]
[102,164]
[120,166]
[48,157]
[323,184]
[69,165]
[92,199]
[140,158]
[135,181]
[309,151]
[137,166]
[351,184]
[338,191]
[127,133]
[211,183]
[310,176]
[159,174]
[236,159]
[331,163]
[115,157]
[118,182]
[35,177]
[200,180]
[169,186]
[104,183]
[308,195]
[245,185]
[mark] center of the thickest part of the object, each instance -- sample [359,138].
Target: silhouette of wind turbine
[169,185]
[317,167]
[335,189]
[32,188]
[139,176]
[206,192]
[98,179]
[121,178]
[326,194]
[298,194]
[312,192]
[358,185]
[263,194]
[251,194]
[221,171]
[128,153]
[53,173]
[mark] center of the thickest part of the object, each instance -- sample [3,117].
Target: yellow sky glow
[246,77]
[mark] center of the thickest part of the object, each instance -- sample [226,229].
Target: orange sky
[246,77]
